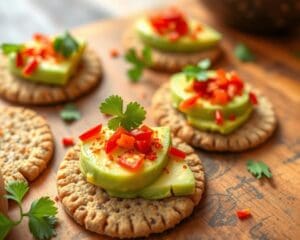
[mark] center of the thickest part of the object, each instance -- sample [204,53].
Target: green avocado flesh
[176,180]
[108,174]
[206,39]
[202,115]
[48,71]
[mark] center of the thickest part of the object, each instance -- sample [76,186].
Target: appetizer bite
[26,144]
[47,70]
[175,39]
[214,109]
[127,179]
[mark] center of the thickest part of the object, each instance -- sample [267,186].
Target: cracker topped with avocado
[48,70]
[175,39]
[214,109]
[127,173]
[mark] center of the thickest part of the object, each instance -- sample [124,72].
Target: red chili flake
[253,98]
[243,214]
[114,53]
[232,117]
[19,60]
[31,67]
[68,141]
[175,152]
[219,117]
[151,156]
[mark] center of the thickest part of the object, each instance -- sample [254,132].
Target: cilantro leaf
[139,63]
[42,227]
[130,119]
[134,116]
[5,226]
[204,64]
[8,48]
[112,105]
[258,169]
[42,207]
[42,218]
[70,112]
[16,190]
[198,72]
[66,45]
[243,53]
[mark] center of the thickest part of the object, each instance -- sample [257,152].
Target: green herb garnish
[133,116]
[258,169]
[243,53]
[135,72]
[41,214]
[66,45]
[198,72]
[70,113]
[8,48]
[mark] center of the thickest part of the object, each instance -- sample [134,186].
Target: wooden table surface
[274,204]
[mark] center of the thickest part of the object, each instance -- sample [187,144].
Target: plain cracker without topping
[168,61]
[91,207]
[15,89]
[254,132]
[26,144]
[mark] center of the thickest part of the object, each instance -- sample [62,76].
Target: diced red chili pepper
[19,60]
[243,214]
[126,141]
[219,119]
[175,152]
[141,135]
[131,162]
[68,141]
[188,103]
[151,156]
[200,87]
[253,98]
[220,97]
[235,80]
[31,66]
[114,53]
[232,117]
[41,38]
[111,143]
[143,146]
[221,80]
[91,133]
[29,52]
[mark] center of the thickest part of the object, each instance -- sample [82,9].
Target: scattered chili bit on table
[243,214]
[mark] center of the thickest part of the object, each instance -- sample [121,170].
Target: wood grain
[274,204]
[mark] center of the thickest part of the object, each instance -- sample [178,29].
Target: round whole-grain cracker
[16,89]
[254,132]
[91,207]
[26,144]
[168,61]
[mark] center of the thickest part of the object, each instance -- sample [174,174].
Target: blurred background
[20,18]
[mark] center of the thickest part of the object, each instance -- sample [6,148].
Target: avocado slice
[206,39]
[108,174]
[177,179]
[50,72]
[202,115]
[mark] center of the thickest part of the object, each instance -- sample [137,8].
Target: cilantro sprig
[70,113]
[131,118]
[244,53]
[138,63]
[198,72]
[66,45]
[258,169]
[41,214]
[8,48]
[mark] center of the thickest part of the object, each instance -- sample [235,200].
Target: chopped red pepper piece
[91,133]
[39,37]
[243,214]
[188,103]
[111,143]
[132,162]
[126,141]
[151,156]
[31,67]
[19,60]
[175,152]
[220,96]
[253,98]
[68,141]
[143,146]
[219,117]
[141,135]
